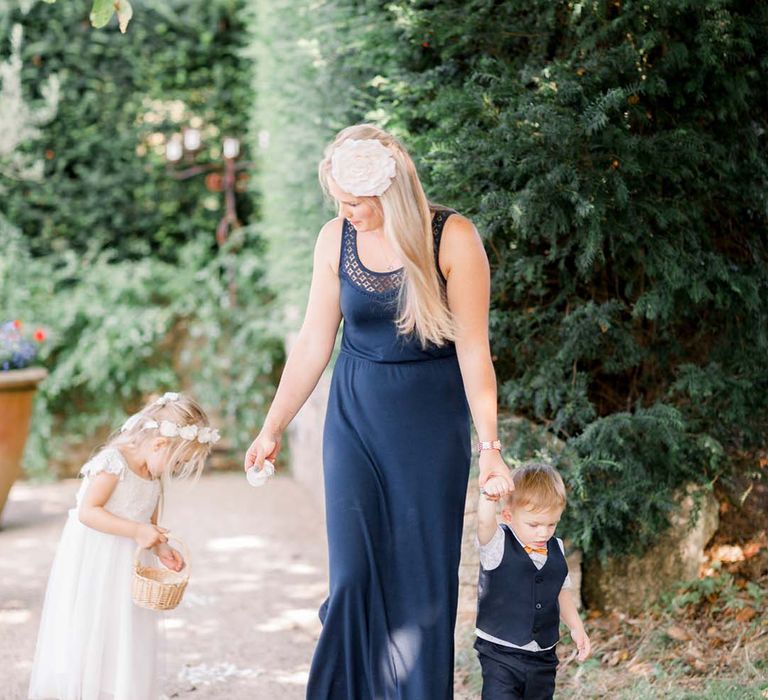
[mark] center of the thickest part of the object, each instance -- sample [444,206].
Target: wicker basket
[156,587]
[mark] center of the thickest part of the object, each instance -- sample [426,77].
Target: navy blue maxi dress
[396,455]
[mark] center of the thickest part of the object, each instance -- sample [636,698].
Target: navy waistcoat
[516,601]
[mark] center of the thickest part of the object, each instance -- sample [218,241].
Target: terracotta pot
[17,389]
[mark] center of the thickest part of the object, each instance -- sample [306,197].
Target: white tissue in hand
[258,477]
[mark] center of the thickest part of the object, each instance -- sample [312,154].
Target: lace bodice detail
[368,280]
[369,306]
[371,281]
[134,498]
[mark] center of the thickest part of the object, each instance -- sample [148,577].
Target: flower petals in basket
[156,587]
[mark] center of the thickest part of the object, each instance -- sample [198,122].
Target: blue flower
[16,350]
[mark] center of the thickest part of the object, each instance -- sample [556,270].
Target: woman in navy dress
[411,283]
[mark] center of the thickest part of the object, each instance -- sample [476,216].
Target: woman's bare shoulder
[460,228]
[460,237]
[329,242]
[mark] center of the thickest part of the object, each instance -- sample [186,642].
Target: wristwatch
[488,445]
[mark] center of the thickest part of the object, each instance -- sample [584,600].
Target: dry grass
[707,640]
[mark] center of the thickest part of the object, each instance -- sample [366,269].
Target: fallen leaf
[678,634]
[746,614]
[728,553]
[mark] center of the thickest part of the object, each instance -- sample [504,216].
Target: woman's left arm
[465,265]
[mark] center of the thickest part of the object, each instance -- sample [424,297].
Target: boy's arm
[486,520]
[570,616]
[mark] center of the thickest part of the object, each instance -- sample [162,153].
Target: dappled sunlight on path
[248,622]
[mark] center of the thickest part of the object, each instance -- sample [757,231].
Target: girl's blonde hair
[422,307]
[538,487]
[190,454]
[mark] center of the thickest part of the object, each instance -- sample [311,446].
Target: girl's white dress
[94,643]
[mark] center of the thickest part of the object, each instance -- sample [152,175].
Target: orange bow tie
[537,550]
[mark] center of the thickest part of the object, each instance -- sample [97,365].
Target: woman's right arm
[311,351]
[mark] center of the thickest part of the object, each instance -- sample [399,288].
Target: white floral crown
[363,167]
[167,428]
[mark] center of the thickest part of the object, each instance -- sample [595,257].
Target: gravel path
[248,622]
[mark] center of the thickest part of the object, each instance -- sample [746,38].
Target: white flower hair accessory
[166,398]
[167,428]
[363,167]
[188,432]
[132,422]
[206,435]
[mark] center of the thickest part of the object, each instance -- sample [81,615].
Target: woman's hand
[148,535]
[492,467]
[495,488]
[265,446]
[170,557]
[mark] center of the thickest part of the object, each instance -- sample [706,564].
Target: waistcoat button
[539,579]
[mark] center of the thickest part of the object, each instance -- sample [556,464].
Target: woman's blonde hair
[191,455]
[537,487]
[422,307]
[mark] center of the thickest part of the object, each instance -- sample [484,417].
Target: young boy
[523,590]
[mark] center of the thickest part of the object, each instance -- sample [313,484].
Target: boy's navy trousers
[514,674]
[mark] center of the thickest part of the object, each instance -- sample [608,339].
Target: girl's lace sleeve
[109,460]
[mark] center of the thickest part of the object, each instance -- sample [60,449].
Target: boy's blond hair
[537,487]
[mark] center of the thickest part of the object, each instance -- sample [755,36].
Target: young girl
[93,642]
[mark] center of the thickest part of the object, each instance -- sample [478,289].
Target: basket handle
[184,549]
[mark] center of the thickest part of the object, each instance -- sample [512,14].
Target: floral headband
[204,435]
[363,167]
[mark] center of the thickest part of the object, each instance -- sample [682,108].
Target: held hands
[495,479]
[170,557]
[148,535]
[265,446]
[495,488]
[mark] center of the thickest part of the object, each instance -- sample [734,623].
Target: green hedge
[105,183]
[120,330]
[114,257]
[613,156]
[297,111]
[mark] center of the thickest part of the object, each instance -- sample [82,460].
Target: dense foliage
[121,96]
[298,111]
[101,246]
[613,156]
[121,330]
